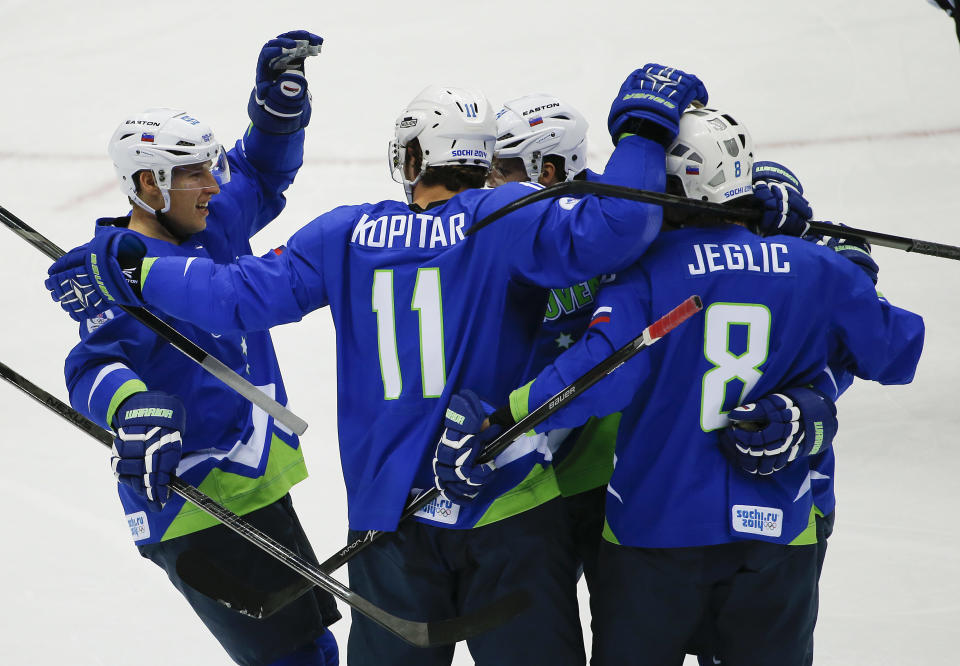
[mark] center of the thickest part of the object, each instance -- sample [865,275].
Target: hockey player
[407,291]
[540,138]
[688,536]
[191,200]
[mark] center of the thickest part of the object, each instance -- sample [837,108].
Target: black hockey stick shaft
[650,334]
[888,240]
[421,634]
[193,351]
[582,187]
[264,605]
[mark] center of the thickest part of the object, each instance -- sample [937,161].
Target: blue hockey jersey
[421,310]
[776,310]
[233,451]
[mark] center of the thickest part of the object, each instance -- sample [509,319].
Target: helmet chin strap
[408,186]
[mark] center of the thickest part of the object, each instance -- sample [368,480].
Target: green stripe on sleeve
[520,401]
[144,270]
[126,389]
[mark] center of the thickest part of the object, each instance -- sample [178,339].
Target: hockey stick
[209,363]
[582,187]
[265,607]
[420,634]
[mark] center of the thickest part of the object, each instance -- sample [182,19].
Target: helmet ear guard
[159,140]
[453,127]
[712,156]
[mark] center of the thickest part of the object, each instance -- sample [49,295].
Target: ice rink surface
[860,98]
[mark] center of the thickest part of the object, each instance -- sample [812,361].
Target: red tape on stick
[672,319]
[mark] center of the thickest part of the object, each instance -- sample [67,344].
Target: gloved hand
[91,278]
[767,435]
[778,190]
[856,250]
[147,447]
[280,101]
[651,101]
[71,286]
[455,472]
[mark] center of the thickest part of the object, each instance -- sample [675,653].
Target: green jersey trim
[589,464]
[539,487]
[809,535]
[126,389]
[144,270]
[242,494]
[608,534]
[520,401]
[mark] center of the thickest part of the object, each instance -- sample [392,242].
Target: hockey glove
[146,450]
[856,250]
[280,101]
[91,278]
[785,210]
[767,435]
[455,472]
[70,286]
[651,101]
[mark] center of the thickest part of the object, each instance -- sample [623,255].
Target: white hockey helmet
[537,125]
[454,126]
[712,156]
[159,140]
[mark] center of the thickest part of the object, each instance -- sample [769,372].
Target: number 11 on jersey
[427,303]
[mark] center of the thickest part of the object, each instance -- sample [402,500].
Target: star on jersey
[243,346]
[564,341]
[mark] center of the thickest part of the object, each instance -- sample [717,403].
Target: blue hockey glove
[280,101]
[767,435]
[856,250]
[105,272]
[70,286]
[651,101]
[147,447]
[785,210]
[455,472]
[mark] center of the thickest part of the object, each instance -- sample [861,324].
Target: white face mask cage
[396,159]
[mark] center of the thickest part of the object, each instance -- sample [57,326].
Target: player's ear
[145,180]
[548,174]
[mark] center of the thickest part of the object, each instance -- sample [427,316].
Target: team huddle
[692,487]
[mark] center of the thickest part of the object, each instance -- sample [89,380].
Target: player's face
[192,188]
[510,170]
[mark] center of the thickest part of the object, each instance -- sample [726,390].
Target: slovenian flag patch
[601,315]
[536,121]
[146,138]
[693,171]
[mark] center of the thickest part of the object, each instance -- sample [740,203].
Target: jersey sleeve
[98,369]
[620,306]
[563,241]
[262,167]
[876,340]
[252,294]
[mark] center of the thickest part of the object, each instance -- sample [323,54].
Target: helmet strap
[535,166]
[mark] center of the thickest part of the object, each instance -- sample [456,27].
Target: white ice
[859,97]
